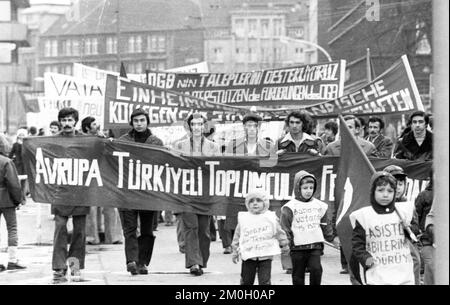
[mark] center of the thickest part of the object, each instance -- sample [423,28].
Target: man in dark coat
[68,118]
[418,143]
[138,250]
[383,145]
[10,197]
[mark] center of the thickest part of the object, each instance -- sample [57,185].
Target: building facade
[13,35]
[143,34]
[251,35]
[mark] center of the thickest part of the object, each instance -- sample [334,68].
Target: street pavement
[105,264]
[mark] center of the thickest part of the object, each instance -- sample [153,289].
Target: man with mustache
[382,144]
[418,143]
[68,118]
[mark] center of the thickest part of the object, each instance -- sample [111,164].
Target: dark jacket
[383,146]
[66,210]
[423,206]
[287,217]
[286,144]
[16,155]
[10,190]
[131,136]
[407,147]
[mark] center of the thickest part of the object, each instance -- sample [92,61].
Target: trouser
[180,232]
[168,215]
[197,240]
[112,226]
[212,229]
[415,254]
[344,264]
[225,235]
[428,253]
[251,267]
[11,225]
[301,260]
[77,244]
[138,249]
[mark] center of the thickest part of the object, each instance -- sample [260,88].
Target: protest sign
[394,91]
[67,91]
[93,171]
[300,85]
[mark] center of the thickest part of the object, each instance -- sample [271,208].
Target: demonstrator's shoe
[344,271]
[59,276]
[132,268]
[2,268]
[227,250]
[75,276]
[15,266]
[142,269]
[196,270]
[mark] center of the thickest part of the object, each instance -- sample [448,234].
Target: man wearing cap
[195,227]
[138,250]
[248,145]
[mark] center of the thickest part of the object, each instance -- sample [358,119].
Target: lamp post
[285,39]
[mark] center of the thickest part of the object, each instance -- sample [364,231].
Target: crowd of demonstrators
[258,237]
[195,231]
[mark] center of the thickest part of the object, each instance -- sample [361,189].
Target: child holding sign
[301,219]
[378,240]
[258,236]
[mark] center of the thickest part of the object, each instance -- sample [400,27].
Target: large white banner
[87,96]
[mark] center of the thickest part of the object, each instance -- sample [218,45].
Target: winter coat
[423,206]
[287,216]
[408,148]
[238,147]
[286,144]
[266,216]
[334,148]
[69,210]
[16,155]
[378,234]
[10,189]
[131,135]
[383,146]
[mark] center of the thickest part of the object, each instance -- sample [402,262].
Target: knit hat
[395,171]
[260,194]
[139,111]
[251,117]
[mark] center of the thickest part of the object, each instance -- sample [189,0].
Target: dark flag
[123,72]
[352,189]
[30,100]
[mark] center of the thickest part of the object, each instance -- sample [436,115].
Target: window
[252,57]
[265,28]
[161,65]
[299,33]
[217,55]
[278,27]
[239,27]
[87,46]
[67,47]
[111,67]
[138,46]
[299,55]
[239,55]
[5,11]
[94,46]
[68,70]
[75,48]
[156,43]
[252,28]
[277,54]
[111,45]
[264,55]
[54,51]
[131,44]
[48,48]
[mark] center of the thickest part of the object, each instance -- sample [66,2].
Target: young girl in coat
[257,238]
